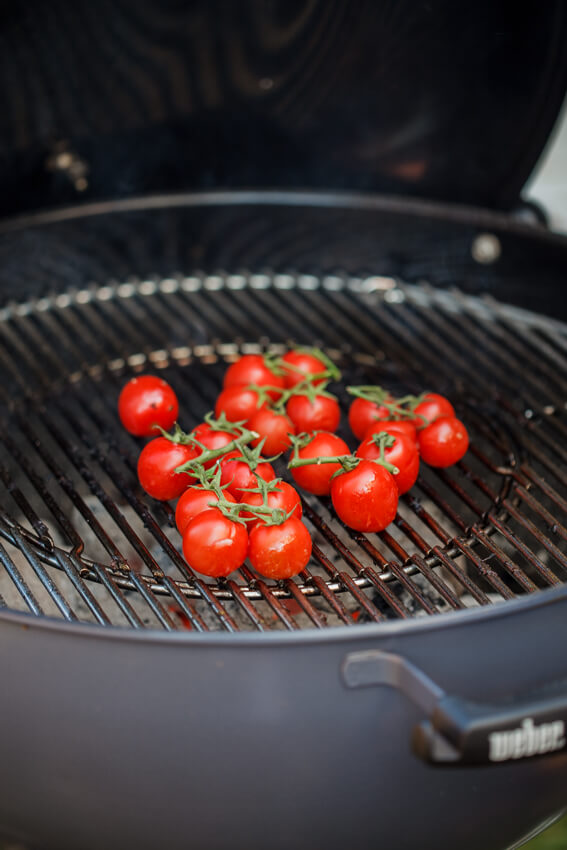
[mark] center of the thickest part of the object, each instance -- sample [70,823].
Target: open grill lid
[444,100]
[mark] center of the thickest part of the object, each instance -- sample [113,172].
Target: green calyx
[398,408]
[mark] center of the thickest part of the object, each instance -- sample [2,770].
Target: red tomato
[252,369]
[316,478]
[366,498]
[238,404]
[300,365]
[280,551]
[156,468]
[431,408]
[321,414]
[285,497]
[145,402]
[237,475]
[215,545]
[362,414]
[275,428]
[394,427]
[444,442]
[403,454]
[211,439]
[194,501]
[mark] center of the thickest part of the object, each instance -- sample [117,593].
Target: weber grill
[92,547]
[184,183]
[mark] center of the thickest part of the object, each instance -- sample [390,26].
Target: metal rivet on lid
[486,248]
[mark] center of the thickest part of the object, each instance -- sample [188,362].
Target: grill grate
[82,542]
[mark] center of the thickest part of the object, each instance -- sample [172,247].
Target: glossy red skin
[251,369]
[280,551]
[285,497]
[432,408]
[362,414]
[323,414]
[238,404]
[366,498]
[156,468]
[444,442]
[307,363]
[237,475]
[215,545]
[403,454]
[193,501]
[394,427]
[145,402]
[274,428]
[316,478]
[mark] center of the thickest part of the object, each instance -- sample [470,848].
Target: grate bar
[524,550]
[458,574]
[541,538]
[513,569]
[21,585]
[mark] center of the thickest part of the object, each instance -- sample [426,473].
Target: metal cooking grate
[82,542]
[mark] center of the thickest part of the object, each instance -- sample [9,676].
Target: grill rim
[330,634]
[465,214]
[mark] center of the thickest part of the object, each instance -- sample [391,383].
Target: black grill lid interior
[446,100]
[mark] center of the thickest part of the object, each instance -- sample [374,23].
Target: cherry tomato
[252,369]
[238,404]
[274,428]
[285,497]
[301,364]
[366,498]
[316,478]
[237,475]
[363,413]
[444,442]
[194,501]
[394,427]
[431,408]
[403,454]
[145,402]
[321,414]
[280,551]
[214,544]
[156,468]
[211,438]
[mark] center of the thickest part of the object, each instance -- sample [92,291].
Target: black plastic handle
[457,731]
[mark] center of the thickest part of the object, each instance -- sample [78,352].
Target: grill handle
[460,732]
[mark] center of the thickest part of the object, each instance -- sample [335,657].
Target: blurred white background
[548,183]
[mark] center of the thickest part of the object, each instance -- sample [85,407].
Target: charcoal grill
[408,688]
[99,551]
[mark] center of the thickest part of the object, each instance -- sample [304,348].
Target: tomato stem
[402,407]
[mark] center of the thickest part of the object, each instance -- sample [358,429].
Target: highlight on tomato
[316,477]
[444,442]
[146,404]
[214,544]
[279,551]
[157,463]
[366,497]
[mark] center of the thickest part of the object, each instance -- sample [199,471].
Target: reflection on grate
[82,542]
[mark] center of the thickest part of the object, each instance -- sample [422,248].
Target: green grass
[554,838]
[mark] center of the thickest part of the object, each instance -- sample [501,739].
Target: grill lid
[438,99]
[82,542]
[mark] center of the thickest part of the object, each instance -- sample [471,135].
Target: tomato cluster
[230,504]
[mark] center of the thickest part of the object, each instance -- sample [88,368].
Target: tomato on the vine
[431,408]
[286,498]
[320,414]
[316,477]
[274,428]
[238,404]
[252,369]
[363,413]
[280,551]
[444,442]
[147,402]
[299,365]
[394,427]
[403,454]
[213,544]
[366,497]
[193,501]
[236,475]
[211,438]
[157,464]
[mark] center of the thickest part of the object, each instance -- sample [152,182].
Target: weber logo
[527,740]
